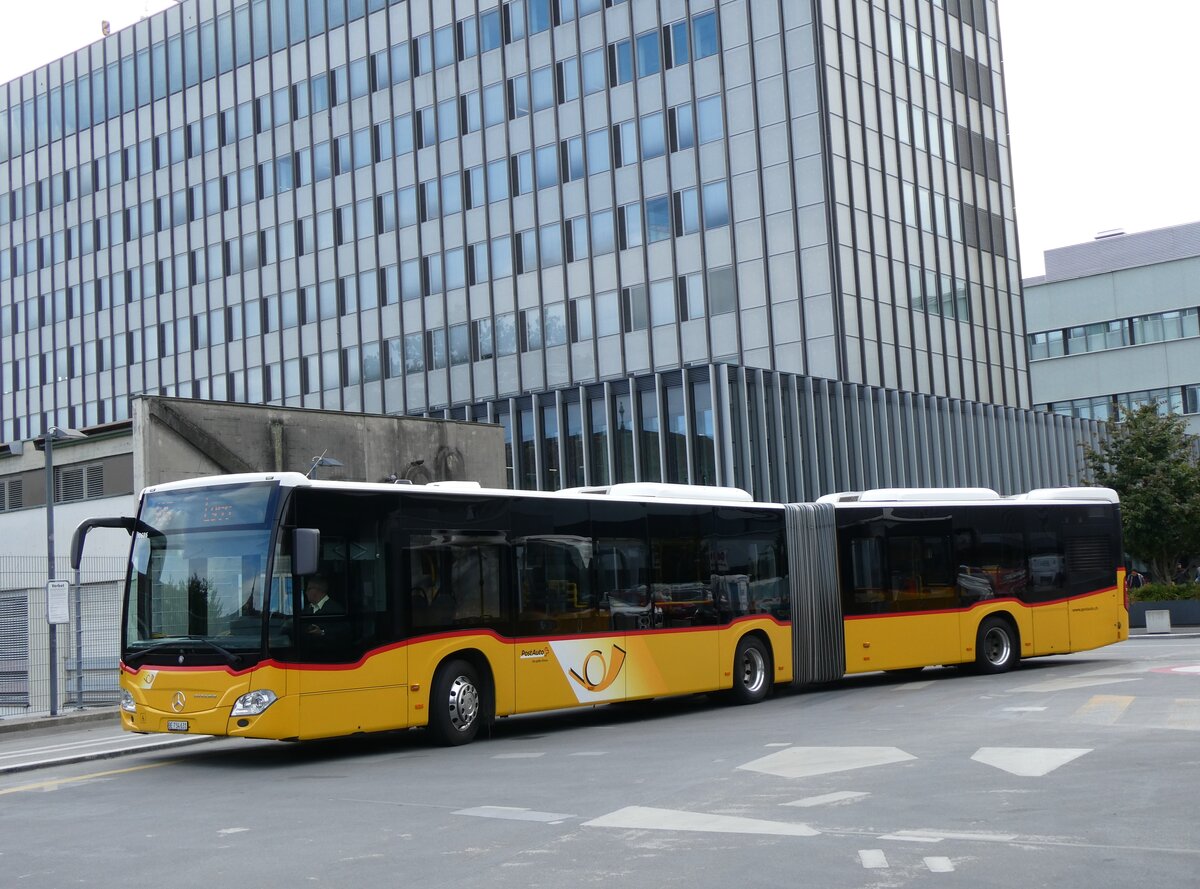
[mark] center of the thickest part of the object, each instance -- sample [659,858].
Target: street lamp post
[52,434]
[322,460]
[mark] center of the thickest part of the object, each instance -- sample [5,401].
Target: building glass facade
[490,209]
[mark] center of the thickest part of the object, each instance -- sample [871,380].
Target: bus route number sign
[217,512]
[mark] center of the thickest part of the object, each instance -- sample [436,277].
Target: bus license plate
[177,725]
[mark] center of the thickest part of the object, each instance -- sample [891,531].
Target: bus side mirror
[81,532]
[306,551]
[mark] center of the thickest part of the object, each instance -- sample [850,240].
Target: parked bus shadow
[417,744]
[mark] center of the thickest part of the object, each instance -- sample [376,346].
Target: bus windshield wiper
[181,641]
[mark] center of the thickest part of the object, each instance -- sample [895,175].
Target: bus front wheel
[751,671]
[996,648]
[455,703]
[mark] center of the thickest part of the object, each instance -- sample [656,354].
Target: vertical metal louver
[68,484]
[72,483]
[95,481]
[14,650]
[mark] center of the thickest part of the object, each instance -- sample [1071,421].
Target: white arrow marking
[939,865]
[1028,762]
[645,818]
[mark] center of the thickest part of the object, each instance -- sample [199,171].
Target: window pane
[653,140]
[704,35]
[648,58]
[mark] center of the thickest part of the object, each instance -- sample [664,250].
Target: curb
[47,723]
[102,754]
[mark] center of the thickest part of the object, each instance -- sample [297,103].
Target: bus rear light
[253,703]
[127,702]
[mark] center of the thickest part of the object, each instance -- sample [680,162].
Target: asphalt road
[1080,771]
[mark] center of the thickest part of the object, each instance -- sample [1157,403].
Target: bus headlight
[253,703]
[127,703]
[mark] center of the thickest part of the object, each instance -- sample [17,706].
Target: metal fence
[87,647]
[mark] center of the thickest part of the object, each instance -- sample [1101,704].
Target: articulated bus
[275,606]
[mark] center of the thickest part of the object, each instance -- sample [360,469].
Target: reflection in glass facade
[413,206]
[790,438]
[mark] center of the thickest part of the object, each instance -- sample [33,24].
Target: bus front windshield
[198,570]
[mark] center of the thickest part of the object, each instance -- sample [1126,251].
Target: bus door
[923,597]
[1096,603]
[575,600]
[352,678]
[677,648]
[1046,594]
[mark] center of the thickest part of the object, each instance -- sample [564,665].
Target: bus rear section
[983,579]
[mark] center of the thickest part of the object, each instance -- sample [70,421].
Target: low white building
[1116,321]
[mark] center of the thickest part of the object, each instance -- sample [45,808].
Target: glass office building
[572,217]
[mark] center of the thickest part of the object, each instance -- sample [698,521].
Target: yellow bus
[276,606]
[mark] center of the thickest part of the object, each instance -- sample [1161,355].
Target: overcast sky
[1103,120]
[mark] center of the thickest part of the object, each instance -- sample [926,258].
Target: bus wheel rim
[464,703]
[997,646]
[754,670]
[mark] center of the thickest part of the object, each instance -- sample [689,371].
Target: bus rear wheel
[996,646]
[456,704]
[751,671]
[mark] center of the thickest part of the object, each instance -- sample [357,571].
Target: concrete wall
[180,438]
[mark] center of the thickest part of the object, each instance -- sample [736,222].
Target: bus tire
[996,648]
[456,703]
[751,671]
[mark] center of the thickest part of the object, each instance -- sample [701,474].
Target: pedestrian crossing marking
[872,858]
[1052,685]
[1103,709]
[825,799]
[647,818]
[1185,714]
[806,762]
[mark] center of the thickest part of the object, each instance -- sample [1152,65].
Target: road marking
[1028,762]
[518,755]
[508,813]
[1052,685]
[872,858]
[910,838]
[806,762]
[779,744]
[938,835]
[1024,709]
[1185,714]
[825,799]
[645,818]
[228,830]
[1103,709]
[589,753]
[55,783]
[939,865]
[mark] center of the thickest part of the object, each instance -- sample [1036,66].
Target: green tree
[1150,461]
